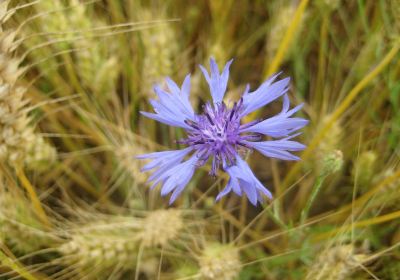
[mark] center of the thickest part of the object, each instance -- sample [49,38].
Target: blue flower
[218,134]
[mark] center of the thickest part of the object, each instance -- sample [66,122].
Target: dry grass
[73,202]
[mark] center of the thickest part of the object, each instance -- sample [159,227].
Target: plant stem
[315,190]
[33,196]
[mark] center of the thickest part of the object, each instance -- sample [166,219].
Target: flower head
[219,135]
[219,261]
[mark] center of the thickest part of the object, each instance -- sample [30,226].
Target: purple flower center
[216,134]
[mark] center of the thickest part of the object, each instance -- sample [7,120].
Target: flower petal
[225,191]
[163,161]
[265,94]
[280,125]
[173,107]
[216,81]
[249,190]
[277,148]
[176,178]
[242,180]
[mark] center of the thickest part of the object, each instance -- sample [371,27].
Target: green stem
[315,190]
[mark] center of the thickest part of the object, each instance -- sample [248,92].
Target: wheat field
[74,202]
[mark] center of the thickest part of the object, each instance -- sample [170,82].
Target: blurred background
[73,202]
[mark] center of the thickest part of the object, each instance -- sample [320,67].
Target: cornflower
[219,135]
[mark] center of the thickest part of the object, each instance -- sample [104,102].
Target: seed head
[107,244]
[160,227]
[338,263]
[219,261]
[123,154]
[16,133]
[159,44]
[19,226]
[364,169]
[40,154]
[332,162]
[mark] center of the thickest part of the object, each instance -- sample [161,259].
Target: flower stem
[315,190]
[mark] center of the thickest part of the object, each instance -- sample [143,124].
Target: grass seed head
[332,162]
[338,263]
[104,244]
[161,227]
[19,225]
[329,143]
[93,248]
[18,142]
[40,154]
[96,66]
[54,21]
[364,169]
[15,132]
[278,27]
[124,153]
[219,261]
[160,47]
